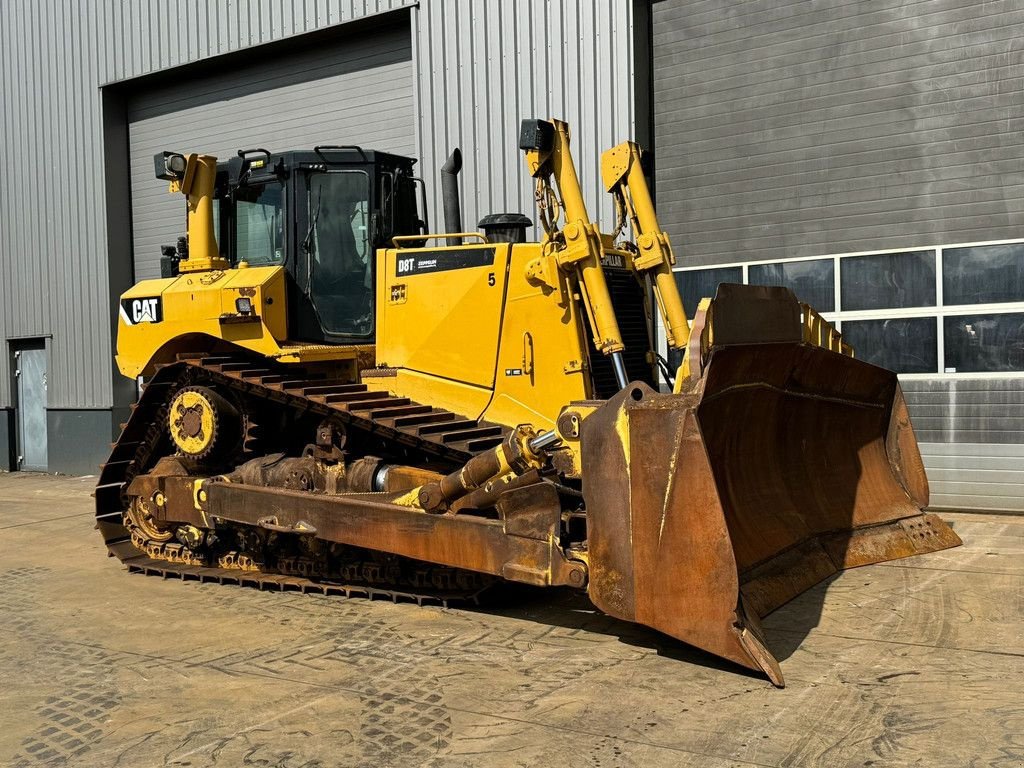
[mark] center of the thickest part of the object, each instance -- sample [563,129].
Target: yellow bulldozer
[336,399]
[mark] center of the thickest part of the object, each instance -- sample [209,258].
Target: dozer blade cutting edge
[781,464]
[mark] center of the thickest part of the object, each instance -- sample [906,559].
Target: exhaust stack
[450,195]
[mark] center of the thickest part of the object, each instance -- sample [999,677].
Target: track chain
[431,432]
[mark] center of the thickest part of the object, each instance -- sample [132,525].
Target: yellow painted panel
[439,310]
[443,329]
[158,314]
[270,290]
[540,362]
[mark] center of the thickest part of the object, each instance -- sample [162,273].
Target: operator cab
[321,214]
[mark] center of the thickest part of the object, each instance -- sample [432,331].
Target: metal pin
[620,370]
[544,440]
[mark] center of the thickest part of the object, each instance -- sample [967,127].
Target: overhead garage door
[357,91]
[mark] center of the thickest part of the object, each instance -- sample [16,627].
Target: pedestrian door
[30,407]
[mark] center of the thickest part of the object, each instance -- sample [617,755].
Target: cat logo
[142,310]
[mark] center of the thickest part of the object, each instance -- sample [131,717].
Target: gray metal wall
[52,254]
[484,66]
[971,434]
[54,56]
[799,128]
[153,35]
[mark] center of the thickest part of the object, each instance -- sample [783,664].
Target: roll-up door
[357,91]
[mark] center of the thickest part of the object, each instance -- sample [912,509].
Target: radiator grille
[628,301]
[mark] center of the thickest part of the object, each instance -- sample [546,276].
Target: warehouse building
[866,155]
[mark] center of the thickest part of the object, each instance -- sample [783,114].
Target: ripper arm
[577,246]
[624,178]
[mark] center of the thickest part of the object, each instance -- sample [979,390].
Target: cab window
[339,252]
[259,224]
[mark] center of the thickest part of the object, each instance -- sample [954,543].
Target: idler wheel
[140,517]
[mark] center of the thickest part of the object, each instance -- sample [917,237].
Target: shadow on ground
[571,609]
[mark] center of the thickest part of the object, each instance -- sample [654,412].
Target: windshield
[259,224]
[341,264]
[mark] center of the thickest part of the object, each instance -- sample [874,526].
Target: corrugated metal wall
[484,66]
[801,128]
[971,433]
[149,36]
[55,56]
[52,246]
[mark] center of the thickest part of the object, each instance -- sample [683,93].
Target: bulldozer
[336,399]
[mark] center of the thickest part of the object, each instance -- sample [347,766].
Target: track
[421,430]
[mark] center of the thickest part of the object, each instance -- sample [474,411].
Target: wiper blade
[312,222]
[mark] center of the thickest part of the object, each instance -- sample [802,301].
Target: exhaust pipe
[450,195]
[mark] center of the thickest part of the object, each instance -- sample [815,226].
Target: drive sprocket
[203,423]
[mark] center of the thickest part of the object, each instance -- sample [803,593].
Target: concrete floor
[918,662]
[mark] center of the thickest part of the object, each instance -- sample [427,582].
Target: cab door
[333,272]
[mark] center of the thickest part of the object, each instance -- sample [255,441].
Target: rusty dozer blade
[781,464]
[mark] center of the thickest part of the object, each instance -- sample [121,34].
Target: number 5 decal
[490,278]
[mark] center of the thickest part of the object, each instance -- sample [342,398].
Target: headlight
[176,164]
[170,166]
[243,305]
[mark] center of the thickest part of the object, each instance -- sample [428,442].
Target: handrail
[437,236]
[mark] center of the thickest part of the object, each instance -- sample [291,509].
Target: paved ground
[919,662]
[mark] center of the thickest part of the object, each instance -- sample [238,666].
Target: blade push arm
[577,248]
[624,178]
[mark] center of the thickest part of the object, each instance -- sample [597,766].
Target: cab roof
[320,157]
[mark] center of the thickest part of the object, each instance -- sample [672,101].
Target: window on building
[908,311]
[813,282]
[697,284]
[904,344]
[888,281]
[983,274]
[990,343]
